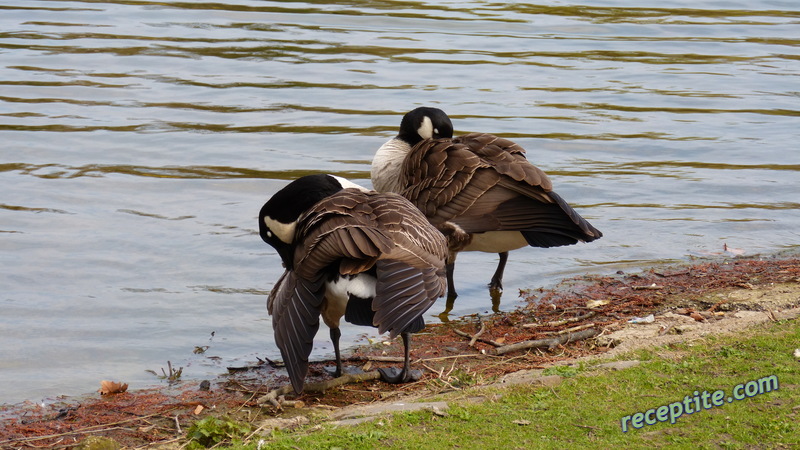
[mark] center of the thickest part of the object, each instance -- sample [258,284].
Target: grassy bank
[586,409]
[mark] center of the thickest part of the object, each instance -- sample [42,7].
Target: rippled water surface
[140,138]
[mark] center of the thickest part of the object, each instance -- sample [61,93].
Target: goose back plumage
[348,234]
[482,183]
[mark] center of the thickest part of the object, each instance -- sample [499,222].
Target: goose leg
[392,375]
[336,333]
[497,279]
[451,285]
[457,239]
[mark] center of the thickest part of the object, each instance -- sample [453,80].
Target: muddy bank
[685,302]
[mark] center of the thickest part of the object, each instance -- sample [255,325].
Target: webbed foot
[346,370]
[393,375]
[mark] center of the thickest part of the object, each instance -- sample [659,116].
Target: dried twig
[550,343]
[480,332]
[392,359]
[485,341]
[771,315]
[558,323]
[577,328]
[440,358]
[652,287]
[437,372]
[321,386]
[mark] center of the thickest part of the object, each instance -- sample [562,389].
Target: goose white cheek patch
[425,130]
[284,231]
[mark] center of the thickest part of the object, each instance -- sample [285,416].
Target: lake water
[140,139]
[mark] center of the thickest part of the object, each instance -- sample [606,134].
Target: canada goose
[478,189]
[348,251]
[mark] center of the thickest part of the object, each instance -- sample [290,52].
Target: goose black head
[277,220]
[425,123]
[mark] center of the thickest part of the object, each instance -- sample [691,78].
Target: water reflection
[189,172]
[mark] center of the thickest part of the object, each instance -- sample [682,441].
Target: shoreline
[692,299]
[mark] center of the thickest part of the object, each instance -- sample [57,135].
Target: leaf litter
[708,290]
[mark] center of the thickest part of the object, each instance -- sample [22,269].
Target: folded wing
[484,183]
[294,304]
[404,294]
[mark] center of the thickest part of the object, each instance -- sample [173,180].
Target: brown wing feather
[446,177]
[411,276]
[435,171]
[341,228]
[484,183]
[294,304]
[506,157]
[356,228]
[416,242]
[404,294]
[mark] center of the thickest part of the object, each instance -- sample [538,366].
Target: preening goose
[478,189]
[348,252]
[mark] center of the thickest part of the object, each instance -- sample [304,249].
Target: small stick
[440,358]
[439,372]
[558,323]
[480,332]
[652,287]
[486,341]
[393,359]
[550,343]
[321,386]
[577,328]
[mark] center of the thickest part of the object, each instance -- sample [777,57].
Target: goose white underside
[338,292]
[496,242]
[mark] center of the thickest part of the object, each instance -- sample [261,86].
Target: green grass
[212,430]
[586,409]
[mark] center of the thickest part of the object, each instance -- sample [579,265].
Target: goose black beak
[285,252]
